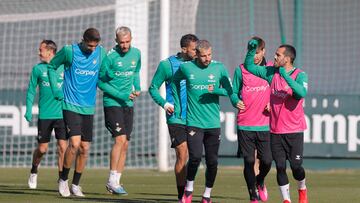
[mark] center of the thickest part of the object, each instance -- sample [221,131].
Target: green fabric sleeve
[299,85]
[31,93]
[105,73]
[63,57]
[226,84]
[113,92]
[159,78]
[237,85]
[137,76]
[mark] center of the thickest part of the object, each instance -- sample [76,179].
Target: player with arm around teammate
[82,62]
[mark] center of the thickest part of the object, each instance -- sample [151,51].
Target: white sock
[207,192]
[112,176]
[285,192]
[118,176]
[301,185]
[189,186]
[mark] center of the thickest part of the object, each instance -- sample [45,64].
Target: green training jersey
[203,110]
[49,107]
[124,69]
[163,74]
[65,57]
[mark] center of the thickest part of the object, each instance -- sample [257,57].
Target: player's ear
[183,50]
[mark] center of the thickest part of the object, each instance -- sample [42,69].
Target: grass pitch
[152,186]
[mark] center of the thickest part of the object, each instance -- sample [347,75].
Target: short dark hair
[91,35]
[50,45]
[290,51]
[187,39]
[261,42]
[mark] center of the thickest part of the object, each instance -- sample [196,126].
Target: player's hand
[267,107]
[282,71]
[240,105]
[58,95]
[253,44]
[28,116]
[211,88]
[133,95]
[169,108]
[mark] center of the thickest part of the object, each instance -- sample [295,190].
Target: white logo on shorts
[298,157]
[117,129]
[192,133]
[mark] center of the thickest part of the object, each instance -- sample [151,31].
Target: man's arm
[137,75]
[113,92]
[237,86]
[159,78]
[30,94]
[63,57]
[226,84]
[299,86]
[264,72]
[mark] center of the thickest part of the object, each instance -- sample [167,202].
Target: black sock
[180,191]
[65,173]
[60,174]
[76,178]
[34,169]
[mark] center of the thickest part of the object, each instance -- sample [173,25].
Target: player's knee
[43,149]
[298,171]
[212,163]
[266,161]
[195,161]
[249,160]
[281,168]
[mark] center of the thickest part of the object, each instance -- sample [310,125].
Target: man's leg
[278,148]
[43,139]
[178,142]
[211,145]
[264,154]
[62,142]
[247,145]
[180,167]
[296,140]
[195,146]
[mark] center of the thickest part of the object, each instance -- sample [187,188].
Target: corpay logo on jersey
[256,89]
[198,87]
[85,72]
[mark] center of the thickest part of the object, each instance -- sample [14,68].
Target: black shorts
[45,127]
[119,120]
[79,124]
[177,134]
[288,147]
[197,138]
[249,141]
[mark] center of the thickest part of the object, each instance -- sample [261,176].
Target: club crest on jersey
[94,61]
[192,133]
[133,64]
[119,63]
[211,77]
[192,77]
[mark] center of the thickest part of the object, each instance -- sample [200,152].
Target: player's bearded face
[279,59]
[124,42]
[204,56]
[190,51]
